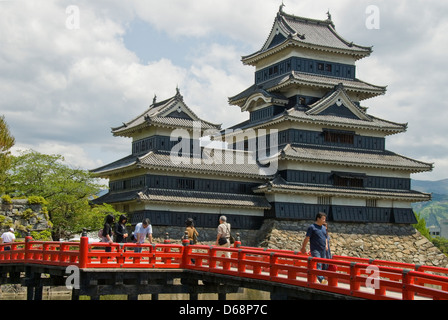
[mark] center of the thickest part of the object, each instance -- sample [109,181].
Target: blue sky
[65,82]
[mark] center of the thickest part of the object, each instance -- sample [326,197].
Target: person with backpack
[223,237]
[193,234]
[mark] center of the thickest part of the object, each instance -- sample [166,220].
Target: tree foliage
[421,226]
[6,143]
[67,191]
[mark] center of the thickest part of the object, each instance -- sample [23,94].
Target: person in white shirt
[142,230]
[8,237]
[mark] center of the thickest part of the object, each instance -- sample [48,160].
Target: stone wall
[393,242]
[23,217]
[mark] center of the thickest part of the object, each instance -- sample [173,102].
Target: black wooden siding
[318,139]
[301,211]
[320,67]
[159,143]
[327,179]
[182,183]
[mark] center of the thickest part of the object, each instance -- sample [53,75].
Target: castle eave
[333,191]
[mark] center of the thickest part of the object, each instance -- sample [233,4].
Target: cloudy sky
[70,70]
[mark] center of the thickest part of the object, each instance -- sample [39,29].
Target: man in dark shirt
[316,235]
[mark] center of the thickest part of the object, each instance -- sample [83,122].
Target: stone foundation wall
[23,217]
[393,242]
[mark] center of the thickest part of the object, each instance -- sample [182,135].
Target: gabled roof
[171,113]
[343,103]
[229,162]
[326,112]
[290,30]
[360,88]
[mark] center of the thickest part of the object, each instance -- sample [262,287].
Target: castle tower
[332,153]
[169,176]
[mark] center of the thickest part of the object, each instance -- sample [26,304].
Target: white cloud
[62,90]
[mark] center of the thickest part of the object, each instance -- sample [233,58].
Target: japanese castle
[322,150]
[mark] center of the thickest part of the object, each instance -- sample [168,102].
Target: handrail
[357,277]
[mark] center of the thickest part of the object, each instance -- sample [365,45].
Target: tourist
[121,233]
[316,235]
[193,234]
[8,237]
[107,231]
[223,236]
[142,230]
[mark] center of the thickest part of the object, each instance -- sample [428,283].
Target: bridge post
[185,250]
[406,281]
[28,239]
[167,238]
[237,243]
[83,250]
[34,285]
[311,278]
[354,273]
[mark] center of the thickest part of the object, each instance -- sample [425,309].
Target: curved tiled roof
[280,185]
[352,157]
[363,89]
[188,197]
[228,164]
[306,32]
[157,115]
[231,163]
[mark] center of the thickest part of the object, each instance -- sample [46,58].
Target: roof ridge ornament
[280,9]
[178,96]
[329,20]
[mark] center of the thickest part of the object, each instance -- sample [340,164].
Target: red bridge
[202,268]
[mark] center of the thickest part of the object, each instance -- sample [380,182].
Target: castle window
[324,201]
[328,67]
[339,137]
[186,184]
[320,66]
[371,203]
[348,180]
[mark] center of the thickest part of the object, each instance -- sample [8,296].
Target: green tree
[421,226]
[6,143]
[441,243]
[66,189]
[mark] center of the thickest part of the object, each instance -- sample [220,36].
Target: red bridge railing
[357,277]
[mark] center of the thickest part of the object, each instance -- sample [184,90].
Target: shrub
[37,200]
[6,199]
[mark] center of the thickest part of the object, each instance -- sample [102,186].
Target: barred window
[186,184]
[352,182]
[324,200]
[371,203]
[339,137]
